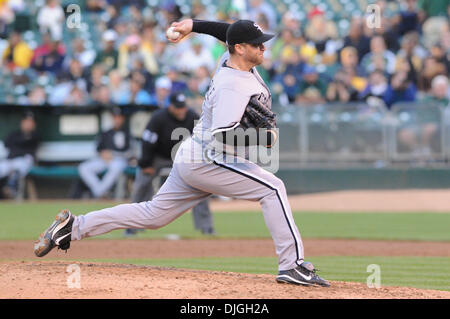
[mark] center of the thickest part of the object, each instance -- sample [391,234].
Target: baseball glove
[257,115]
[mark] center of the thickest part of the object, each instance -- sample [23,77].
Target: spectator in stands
[132,50]
[51,19]
[135,15]
[430,69]
[96,5]
[285,39]
[109,56]
[357,39]
[178,84]
[290,21]
[148,43]
[439,91]
[97,78]
[388,33]
[77,97]
[407,58]
[51,61]
[378,54]
[37,96]
[60,90]
[407,20]
[403,89]
[288,77]
[101,96]
[353,74]
[444,39]
[312,89]
[140,73]
[77,75]
[117,86]
[432,29]
[196,56]
[17,53]
[378,92]
[198,11]
[322,32]
[193,94]
[3,45]
[47,46]
[441,57]
[7,16]
[136,95]
[22,145]
[82,54]
[341,88]
[257,7]
[163,87]
[113,20]
[113,151]
[349,61]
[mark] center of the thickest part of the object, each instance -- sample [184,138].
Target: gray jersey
[224,105]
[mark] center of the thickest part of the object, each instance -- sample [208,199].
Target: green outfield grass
[28,220]
[419,272]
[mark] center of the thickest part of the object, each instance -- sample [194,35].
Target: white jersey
[225,102]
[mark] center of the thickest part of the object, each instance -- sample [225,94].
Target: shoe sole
[285,279]
[45,242]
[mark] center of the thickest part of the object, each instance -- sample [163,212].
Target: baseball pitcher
[211,160]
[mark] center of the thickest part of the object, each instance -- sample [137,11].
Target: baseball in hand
[171,34]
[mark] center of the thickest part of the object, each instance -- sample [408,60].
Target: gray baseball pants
[191,183]
[22,164]
[143,191]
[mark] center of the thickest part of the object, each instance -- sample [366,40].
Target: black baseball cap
[246,31]
[27,114]
[178,100]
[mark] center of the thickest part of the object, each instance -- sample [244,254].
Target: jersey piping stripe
[279,198]
[224,129]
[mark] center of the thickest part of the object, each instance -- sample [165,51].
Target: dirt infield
[49,280]
[413,200]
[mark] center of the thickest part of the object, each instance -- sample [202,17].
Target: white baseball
[173,35]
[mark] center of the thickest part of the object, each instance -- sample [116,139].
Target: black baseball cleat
[58,234]
[305,274]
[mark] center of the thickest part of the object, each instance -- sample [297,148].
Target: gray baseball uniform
[200,170]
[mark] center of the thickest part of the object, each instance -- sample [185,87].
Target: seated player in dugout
[113,147]
[158,147]
[22,145]
[200,170]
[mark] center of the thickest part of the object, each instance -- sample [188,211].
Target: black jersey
[157,137]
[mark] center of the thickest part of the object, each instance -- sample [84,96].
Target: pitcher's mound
[98,280]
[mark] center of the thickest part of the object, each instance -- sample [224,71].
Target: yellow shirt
[22,55]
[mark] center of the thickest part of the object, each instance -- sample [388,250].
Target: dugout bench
[68,137]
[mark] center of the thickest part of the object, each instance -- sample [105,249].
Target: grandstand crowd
[325,51]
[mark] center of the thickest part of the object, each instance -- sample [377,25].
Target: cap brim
[261,39]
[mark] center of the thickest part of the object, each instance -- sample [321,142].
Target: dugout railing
[352,133]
